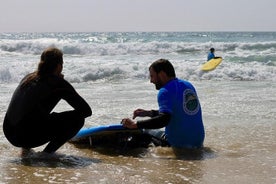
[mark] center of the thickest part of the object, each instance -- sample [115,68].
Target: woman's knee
[67,120]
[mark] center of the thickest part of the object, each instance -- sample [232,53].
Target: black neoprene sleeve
[159,121]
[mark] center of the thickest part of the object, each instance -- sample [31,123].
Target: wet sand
[240,147]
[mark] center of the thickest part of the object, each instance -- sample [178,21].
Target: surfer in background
[211,54]
[179,109]
[30,122]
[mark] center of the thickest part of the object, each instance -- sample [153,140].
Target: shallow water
[240,144]
[110,70]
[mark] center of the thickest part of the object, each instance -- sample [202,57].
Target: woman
[29,121]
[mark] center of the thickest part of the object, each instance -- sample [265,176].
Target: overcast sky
[137,15]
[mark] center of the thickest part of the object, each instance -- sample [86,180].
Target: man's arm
[159,121]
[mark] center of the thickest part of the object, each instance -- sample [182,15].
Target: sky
[136,15]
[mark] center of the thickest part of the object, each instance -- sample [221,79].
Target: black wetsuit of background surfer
[29,122]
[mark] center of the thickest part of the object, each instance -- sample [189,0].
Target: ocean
[110,70]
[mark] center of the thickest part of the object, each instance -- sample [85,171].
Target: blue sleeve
[210,56]
[164,101]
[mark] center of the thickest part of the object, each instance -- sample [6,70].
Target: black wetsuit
[152,127]
[30,122]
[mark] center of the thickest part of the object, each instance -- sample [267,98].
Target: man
[211,54]
[179,109]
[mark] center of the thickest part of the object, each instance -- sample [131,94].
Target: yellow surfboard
[212,64]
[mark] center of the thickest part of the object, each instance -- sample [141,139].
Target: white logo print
[190,102]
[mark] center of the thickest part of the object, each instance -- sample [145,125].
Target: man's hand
[141,113]
[128,123]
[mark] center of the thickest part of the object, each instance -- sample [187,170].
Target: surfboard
[114,135]
[212,64]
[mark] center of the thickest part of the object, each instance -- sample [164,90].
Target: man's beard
[158,86]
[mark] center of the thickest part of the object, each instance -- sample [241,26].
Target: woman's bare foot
[26,152]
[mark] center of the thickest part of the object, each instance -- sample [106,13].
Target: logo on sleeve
[190,102]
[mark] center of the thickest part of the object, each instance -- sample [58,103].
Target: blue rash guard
[179,99]
[211,55]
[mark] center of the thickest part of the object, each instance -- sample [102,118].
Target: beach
[110,70]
